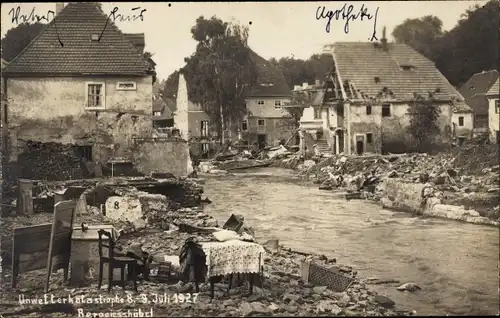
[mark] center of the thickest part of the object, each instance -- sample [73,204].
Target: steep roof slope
[270,79]
[475,89]
[74,27]
[495,89]
[361,63]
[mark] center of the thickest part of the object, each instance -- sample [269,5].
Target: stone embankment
[282,292]
[460,185]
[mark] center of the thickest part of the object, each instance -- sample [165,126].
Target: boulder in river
[411,287]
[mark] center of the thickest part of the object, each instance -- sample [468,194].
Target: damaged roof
[400,69]
[69,45]
[475,89]
[270,79]
[495,89]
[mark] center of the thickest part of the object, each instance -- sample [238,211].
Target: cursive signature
[31,17]
[114,15]
[346,13]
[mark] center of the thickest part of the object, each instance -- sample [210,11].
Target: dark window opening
[368,109]
[461,140]
[261,122]
[84,152]
[369,138]
[386,110]
[204,128]
[460,121]
[244,125]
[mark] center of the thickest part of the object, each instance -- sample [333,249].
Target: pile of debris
[283,290]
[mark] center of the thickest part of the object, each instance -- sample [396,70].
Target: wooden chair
[114,260]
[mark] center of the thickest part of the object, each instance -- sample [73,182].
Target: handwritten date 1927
[346,13]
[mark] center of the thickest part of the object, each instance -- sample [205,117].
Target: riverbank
[283,291]
[464,183]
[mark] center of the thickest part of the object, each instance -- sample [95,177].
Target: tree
[221,71]
[471,46]
[169,89]
[297,71]
[421,34]
[16,39]
[423,123]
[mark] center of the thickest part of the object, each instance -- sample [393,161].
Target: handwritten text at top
[17,16]
[347,13]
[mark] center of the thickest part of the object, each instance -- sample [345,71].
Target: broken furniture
[85,253]
[114,261]
[323,276]
[73,193]
[233,257]
[234,223]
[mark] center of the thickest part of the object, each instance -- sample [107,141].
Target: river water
[455,263]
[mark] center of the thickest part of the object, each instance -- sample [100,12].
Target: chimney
[304,85]
[59,7]
[383,41]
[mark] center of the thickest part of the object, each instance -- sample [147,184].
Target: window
[261,122]
[460,121]
[369,138]
[317,113]
[368,109]
[497,106]
[125,86]
[277,104]
[244,125]
[204,128]
[84,152]
[386,110]
[95,95]
[407,67]
[156,113]
[260,102]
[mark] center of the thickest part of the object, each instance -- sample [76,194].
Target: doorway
[340,137]
[334,144]
[360,144]
[261,140]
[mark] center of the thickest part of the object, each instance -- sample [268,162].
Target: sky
[277,29]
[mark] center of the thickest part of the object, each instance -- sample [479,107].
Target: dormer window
[94,37]
[472,88]
[377,79]
[406,67]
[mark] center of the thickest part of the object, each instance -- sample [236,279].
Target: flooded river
[456,264]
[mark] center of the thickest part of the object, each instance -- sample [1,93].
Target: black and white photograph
[250,159]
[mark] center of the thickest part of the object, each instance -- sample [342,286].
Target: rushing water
[455,263]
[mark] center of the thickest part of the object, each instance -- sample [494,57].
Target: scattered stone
[319,289]
[384,301]
[411,287]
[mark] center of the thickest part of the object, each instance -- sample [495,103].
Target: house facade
[462,122]
[267,121]
[493,96]
[474,91]
[80,84]
[366,101]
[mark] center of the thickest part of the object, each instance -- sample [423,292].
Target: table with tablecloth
[233,257]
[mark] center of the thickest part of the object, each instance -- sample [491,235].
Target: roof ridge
[485,72]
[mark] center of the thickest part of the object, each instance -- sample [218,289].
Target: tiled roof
[159,105]
[495,89]
[270,79]
[266,111]
[193,107]
[476,87]
[479,83]
[74,26]
[361,63]
[460,107]
[171,104]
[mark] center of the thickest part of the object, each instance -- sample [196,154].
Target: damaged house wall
[163,156]
[53,109]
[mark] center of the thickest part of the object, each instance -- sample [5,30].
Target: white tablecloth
[233,257]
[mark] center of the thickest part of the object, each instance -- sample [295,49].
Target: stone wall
[163,156]
[54,110]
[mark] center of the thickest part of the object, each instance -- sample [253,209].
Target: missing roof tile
[377,79]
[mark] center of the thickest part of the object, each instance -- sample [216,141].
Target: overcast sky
[276,30]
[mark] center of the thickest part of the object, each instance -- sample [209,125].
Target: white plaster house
[493,96]
[364,105]
[82,84]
